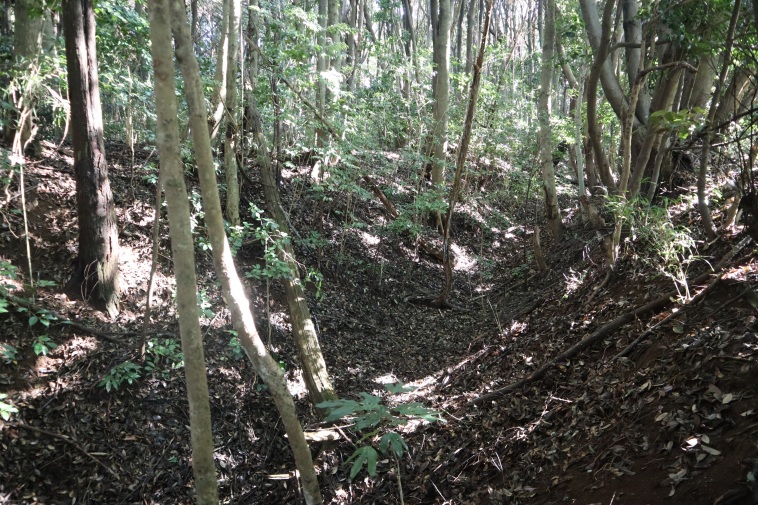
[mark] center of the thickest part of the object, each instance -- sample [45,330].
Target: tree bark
[234,291]
[598,67]
[95,277]
[27,44]
[183,253]
[218,97]
[702,198]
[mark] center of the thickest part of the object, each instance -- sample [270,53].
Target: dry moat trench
[674,422]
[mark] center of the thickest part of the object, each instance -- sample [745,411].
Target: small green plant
[125,372]
[6,409]
[8,354]
[162,355]
[204,305]
[7,271]
[43,345]
[234,345]
[370,414]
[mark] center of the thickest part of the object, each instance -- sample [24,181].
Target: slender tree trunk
[183,252]
[218,98]
[95,277]
[470,34]
[231,140]
[545,141]
[593,125]
[322,64]
[461,162]
[441,21]
[702,198]
[27,44]
[303,330]
[234,291]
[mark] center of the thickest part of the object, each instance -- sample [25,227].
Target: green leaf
[399,388]
[395,441]
[343,408]
[365,455]
[33,320]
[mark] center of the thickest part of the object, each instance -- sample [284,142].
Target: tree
[27,44]
[182,246]
[231,139]
[233,290]
[545,140]
[96,272]
[441,18]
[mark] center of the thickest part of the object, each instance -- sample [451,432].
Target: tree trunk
[95,277]
[593,126]
[441,21]
[218,97]
[27,44]
[303,330]
[322,63]
[470,34]
[702,198]
[460,163]
[545,140]
[182,247]
[232,122]
[234,291]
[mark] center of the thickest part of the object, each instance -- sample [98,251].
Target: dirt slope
[675,422]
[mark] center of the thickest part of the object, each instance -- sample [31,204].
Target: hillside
[674,421]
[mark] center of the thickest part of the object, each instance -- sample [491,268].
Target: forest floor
[676,421]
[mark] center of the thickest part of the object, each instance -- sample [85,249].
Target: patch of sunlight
[388,378]
[296,384]
[368,239]
[278,320]
[574,281]
[464,261]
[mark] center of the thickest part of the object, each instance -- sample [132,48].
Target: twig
[68,440]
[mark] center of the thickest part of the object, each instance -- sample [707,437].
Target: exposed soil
[674,422]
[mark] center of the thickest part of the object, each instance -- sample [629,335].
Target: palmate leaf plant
[371,416]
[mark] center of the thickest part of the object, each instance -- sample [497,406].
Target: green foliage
[6,409]
[7,271]
[163,355]
[273,239]
[235,346]
[43,345]
[370,413]
[672,246]
[682,123]
[8,354]
[204,305]
[125,372]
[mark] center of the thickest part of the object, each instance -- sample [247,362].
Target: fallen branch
[608,328]
[578,347]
